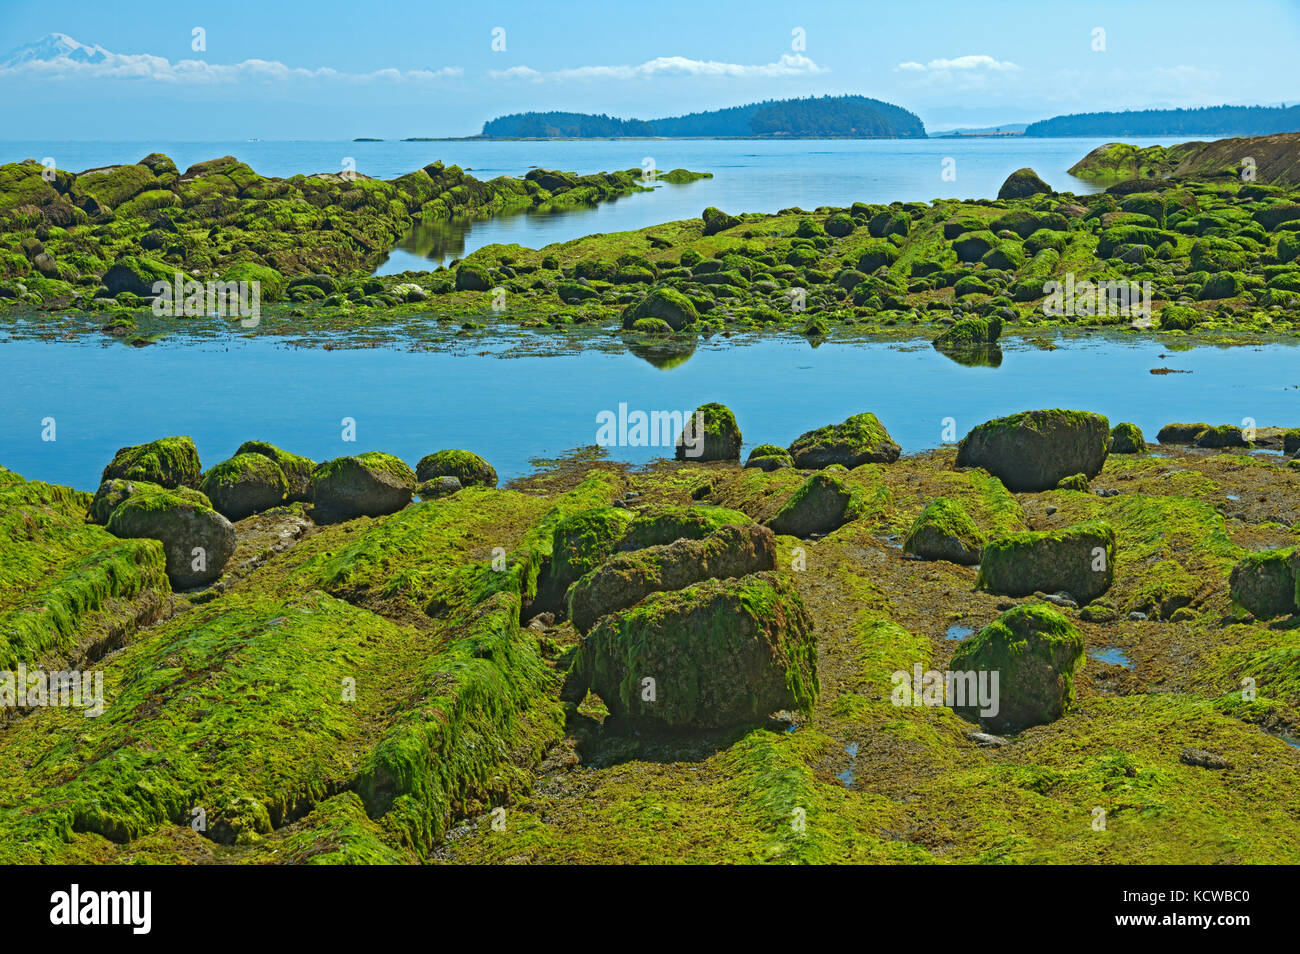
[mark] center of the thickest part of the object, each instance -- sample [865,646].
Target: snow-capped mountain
[54,48]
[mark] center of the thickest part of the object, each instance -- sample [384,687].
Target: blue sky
[322,70]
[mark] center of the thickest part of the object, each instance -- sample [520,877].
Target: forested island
[824,117]
[1204,121]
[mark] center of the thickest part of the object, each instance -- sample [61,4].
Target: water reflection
[664,353]
[986,356]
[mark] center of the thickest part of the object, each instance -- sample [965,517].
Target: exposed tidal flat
[362,590]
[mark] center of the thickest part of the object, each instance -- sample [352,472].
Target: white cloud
[787,65]
[60,57]
[974,61]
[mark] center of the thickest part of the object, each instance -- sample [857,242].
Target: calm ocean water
[511,410]
[748,176]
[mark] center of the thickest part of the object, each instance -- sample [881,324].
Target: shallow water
[1112,656]
[512,410]
[958,633]
[748,175]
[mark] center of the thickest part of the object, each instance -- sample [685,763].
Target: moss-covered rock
[1266,583]
[666,304]
[1073,482]
[1181,433]
[768,457]
[1126,438]
[1035,652]
[472,277]
[716,654]
[296,468]
[197,541]
[168,462]
[820,504]
[677,523]
[710,434]
[626,578]
[944,531]
[860,439]
[715,221]
[1033,450]
[969,334]
[437,487]
[367,485]
[1079,560]
[244,485]
[1022,184]
[467,467]
[137,275]
[580,543]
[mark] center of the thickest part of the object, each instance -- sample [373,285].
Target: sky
[329,70]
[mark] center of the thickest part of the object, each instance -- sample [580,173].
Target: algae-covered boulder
[466,466]
[437,487]
[137,274]
[944,531]
[197,541]
[710,434]
[1126,438]
[472,277]
[244,485]
[666,304]
[1222,435]
[716,654]
[115,490]
[861,439]
[1180,318]
[580,543]
[820,504]
[1179,433]
[1035,651]
[1264,583]
[627,578]
[715,221]
[1073,482]
[769,457]
[296,468]
[168,462]
[969,333]
[1033,450]
[1023,183]
[1079,560]
[367,485]
[677,523]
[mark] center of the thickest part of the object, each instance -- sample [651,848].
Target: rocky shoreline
[615,660]
[1211,254]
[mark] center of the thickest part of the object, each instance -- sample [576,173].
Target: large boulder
[197,541]
[466,466]
[138,275]
[627,578]
[944,531]
[664,304]
[677,523]
[168,462]
[244,485]
[1079,560]
[1035,652]
[710,434]
[1265,583]
[861,439]
[581,542]
[1023,183]
[821,503]
[715,221]
[367,485]
[115,490]
[296,469]
[1033,450]
[969,333]
[714,655]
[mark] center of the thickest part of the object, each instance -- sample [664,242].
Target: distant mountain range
[825,117]
[54,47]
[1205,121]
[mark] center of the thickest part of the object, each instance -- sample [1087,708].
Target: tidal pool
[513,410]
